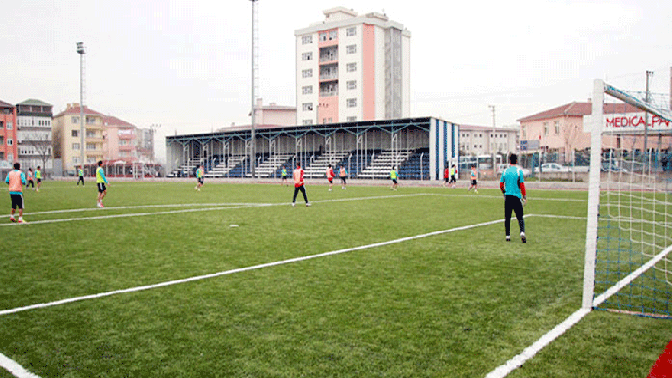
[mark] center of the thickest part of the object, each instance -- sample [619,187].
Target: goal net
[629,233]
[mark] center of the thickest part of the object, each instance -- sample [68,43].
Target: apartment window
[524,133]
[545,128]
[333,34]
[351,67]
[351,49]
[323,37]
[90,120]
[306,39]
[307,122]
[74,119]
[308,89]
[75,146]
[75,160]
[307,106]
[2,124]
[9,125]
[350,32]
[352,103]
[90,146]
[307,56]
[10,142]
[352,119]
[352,84]
[557,127]
[307,73]
[74,133]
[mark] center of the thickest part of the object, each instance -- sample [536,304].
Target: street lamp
[81,52]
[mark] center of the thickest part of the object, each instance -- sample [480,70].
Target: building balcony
[96,139]
[127,136]
[127,148]
[329,77]
[328,93]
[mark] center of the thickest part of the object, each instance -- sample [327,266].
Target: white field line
[240,270]
[14,368]
[224,206]
[532,350]
[529,352]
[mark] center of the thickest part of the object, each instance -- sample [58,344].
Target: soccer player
[298,185]
[284,176]
[38,176]
[199,178]
[512,185]
[393,176]
[101,180]
[330,176]
[474,179]
[342,173]
[453,176]
[16,179]
[30,183]
[446,176]
[80,172]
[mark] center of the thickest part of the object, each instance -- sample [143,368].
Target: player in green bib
[283,173]
[38,176]
[80,172]
[199,178]
[394,175]
[101,180]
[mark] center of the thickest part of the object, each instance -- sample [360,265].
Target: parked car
[502,167]
[552,167]
[612,167]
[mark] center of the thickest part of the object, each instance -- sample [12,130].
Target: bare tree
[41,141]
[571,134]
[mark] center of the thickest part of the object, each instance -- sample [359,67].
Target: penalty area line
[14,368]
[240,270]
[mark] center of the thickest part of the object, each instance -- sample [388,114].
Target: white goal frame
[596,126]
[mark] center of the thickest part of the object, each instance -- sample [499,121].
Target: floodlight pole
[253,152]
[81,52]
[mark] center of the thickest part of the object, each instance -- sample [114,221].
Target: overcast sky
[186,64]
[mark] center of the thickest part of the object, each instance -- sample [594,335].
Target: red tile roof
[6,105]
[579,109]
[109,120]
[74,110]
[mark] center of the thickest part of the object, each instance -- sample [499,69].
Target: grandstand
[419,147]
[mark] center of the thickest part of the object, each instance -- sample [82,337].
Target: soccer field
[234,282]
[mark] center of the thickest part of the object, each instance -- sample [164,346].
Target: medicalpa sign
[631,123]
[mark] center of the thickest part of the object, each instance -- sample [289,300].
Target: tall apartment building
[352,68]
[33,120]
[66,137]
[8,149]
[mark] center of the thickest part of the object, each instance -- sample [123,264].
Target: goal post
[628,265]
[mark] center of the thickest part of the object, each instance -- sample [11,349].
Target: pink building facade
[121,140]
[8,143]
[562,129]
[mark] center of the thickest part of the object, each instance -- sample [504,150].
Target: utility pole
[492,135]
[646,124]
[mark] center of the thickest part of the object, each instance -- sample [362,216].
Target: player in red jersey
[298,185]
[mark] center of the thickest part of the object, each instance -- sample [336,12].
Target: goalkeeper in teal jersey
[512,185]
